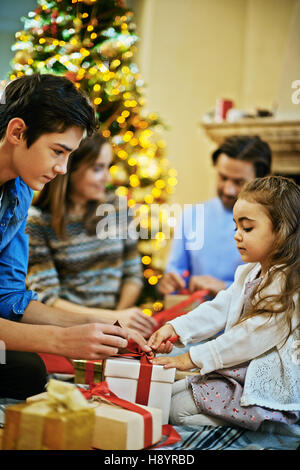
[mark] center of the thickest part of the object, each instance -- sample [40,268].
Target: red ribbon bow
[145,373]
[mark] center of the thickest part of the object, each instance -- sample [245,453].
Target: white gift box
[121,375]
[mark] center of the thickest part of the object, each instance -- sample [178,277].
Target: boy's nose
[61,167]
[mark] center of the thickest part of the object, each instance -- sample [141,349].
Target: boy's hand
[139,339]
[90,341]
[161,336]
[182,362]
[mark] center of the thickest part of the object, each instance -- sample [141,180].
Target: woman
[77,261]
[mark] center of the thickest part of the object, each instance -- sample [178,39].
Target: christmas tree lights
[93,42]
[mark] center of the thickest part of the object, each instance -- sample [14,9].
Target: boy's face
[46,157]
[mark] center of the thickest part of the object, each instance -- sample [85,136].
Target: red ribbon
[102,390]
[90,371]
[180,309]
[171,434]
[145,373]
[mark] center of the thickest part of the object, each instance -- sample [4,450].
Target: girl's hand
[182,362]
[158,341]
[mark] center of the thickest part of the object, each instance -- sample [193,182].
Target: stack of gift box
[122,403]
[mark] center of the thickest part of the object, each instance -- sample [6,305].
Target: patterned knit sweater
[82,268]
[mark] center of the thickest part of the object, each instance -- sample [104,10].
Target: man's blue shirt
[216,254]
[14,298]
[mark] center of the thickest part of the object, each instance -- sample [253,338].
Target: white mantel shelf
[283,136]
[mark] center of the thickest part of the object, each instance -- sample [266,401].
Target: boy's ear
[15,130]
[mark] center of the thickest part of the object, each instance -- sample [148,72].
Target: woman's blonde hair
[280,198]
[55,196]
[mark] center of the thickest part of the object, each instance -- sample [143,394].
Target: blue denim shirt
[14,298]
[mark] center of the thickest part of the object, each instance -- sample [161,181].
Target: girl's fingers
[164,361]
[165,348]
[155,340]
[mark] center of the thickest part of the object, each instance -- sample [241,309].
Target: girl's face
[254,232]
[88,183]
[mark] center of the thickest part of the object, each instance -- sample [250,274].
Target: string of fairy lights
[93,43]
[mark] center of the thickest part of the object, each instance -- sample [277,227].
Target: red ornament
[71,76]
[53,29]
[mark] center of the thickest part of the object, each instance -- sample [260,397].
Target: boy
[42,120]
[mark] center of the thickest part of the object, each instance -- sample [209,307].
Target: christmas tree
[92,42]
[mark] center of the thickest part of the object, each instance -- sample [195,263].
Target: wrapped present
[135,379]
[87,372]
[179,304]
[175,299]
[62,421]
[121,425]
[40,396]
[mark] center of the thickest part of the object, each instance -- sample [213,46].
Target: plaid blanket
[228,438]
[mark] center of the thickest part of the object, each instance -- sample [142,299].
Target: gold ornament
[77,23]
[120,175]
[22,57]
[89,2]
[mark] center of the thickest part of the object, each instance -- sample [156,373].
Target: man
[211,267]
[42,120]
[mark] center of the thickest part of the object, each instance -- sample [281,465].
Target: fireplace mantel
[283,136]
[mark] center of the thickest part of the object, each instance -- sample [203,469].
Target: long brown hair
[280,198]
[55,196]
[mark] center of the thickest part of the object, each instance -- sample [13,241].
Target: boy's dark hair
[248,148]
[46,103]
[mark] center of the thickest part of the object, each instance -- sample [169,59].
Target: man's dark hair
[247,148]
[46,103]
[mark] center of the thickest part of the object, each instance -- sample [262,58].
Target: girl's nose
[237,235]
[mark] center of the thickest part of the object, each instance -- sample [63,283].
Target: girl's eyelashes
[248,229]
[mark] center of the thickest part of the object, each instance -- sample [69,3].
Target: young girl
[249,374]
[70,266]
